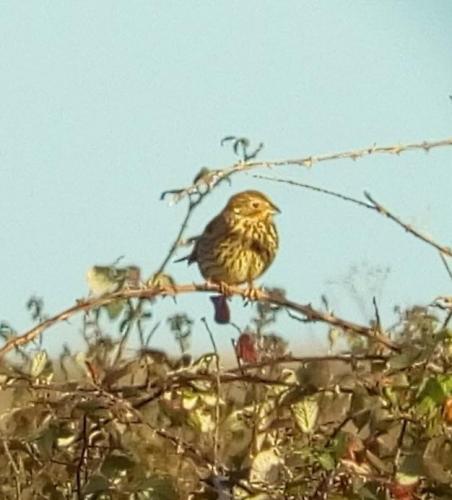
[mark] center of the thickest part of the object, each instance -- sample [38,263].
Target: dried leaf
[266,467]
[38,363]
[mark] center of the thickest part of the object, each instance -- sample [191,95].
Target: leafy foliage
[373,422]
[370,424]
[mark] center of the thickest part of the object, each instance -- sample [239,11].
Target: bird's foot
[252,293]
[225,289]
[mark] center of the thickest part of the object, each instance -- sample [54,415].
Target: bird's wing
[217,227]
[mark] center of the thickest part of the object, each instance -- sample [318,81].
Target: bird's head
[252,204]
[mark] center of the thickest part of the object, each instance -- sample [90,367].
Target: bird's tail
[187,257]
[192,256]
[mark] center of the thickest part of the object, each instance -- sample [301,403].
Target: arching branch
[278,299]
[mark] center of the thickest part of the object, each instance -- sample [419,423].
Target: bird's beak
[275,209]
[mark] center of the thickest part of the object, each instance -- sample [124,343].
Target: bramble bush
[370,419]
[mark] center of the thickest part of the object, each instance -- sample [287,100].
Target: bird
[240,243]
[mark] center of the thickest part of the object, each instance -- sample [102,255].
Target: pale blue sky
[106,104]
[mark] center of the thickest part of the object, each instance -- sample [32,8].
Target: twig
[426,239]
[325,317]
[81,459]
[377,314]
[373,205]
[239,363]
[399,446]
[189,450]
[154,291]
[217,175]
[446,265]
[217,401]
[446,321]
[191,207]
[134,313]
[137,311]
[317,189]
[14,467]
[150,335]
[324,485]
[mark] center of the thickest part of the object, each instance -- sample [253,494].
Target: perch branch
[306,310]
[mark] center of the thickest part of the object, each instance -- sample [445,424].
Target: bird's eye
[255,204]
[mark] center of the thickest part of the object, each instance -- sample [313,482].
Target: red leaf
[246,348]
[447,411]
[401,491]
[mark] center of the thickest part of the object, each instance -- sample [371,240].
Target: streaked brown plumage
[240,243]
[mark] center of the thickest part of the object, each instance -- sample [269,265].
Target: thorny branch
[211,179]
[307,310]
[377,207]
[317,189]
[415,232]
[217,394]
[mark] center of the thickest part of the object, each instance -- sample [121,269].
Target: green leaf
[211,399]
[103,280]
[405,358]
[438,459]
[202,420]
[406,479]
[305,413]
[236,422]
[96,484]
[65,436]
[189,399]
[157,488]
[46,441]
[326,460]
[115,308]
[366,494]
[115,463]
[340,444]
[433,394]
[446,383]
[204,364]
